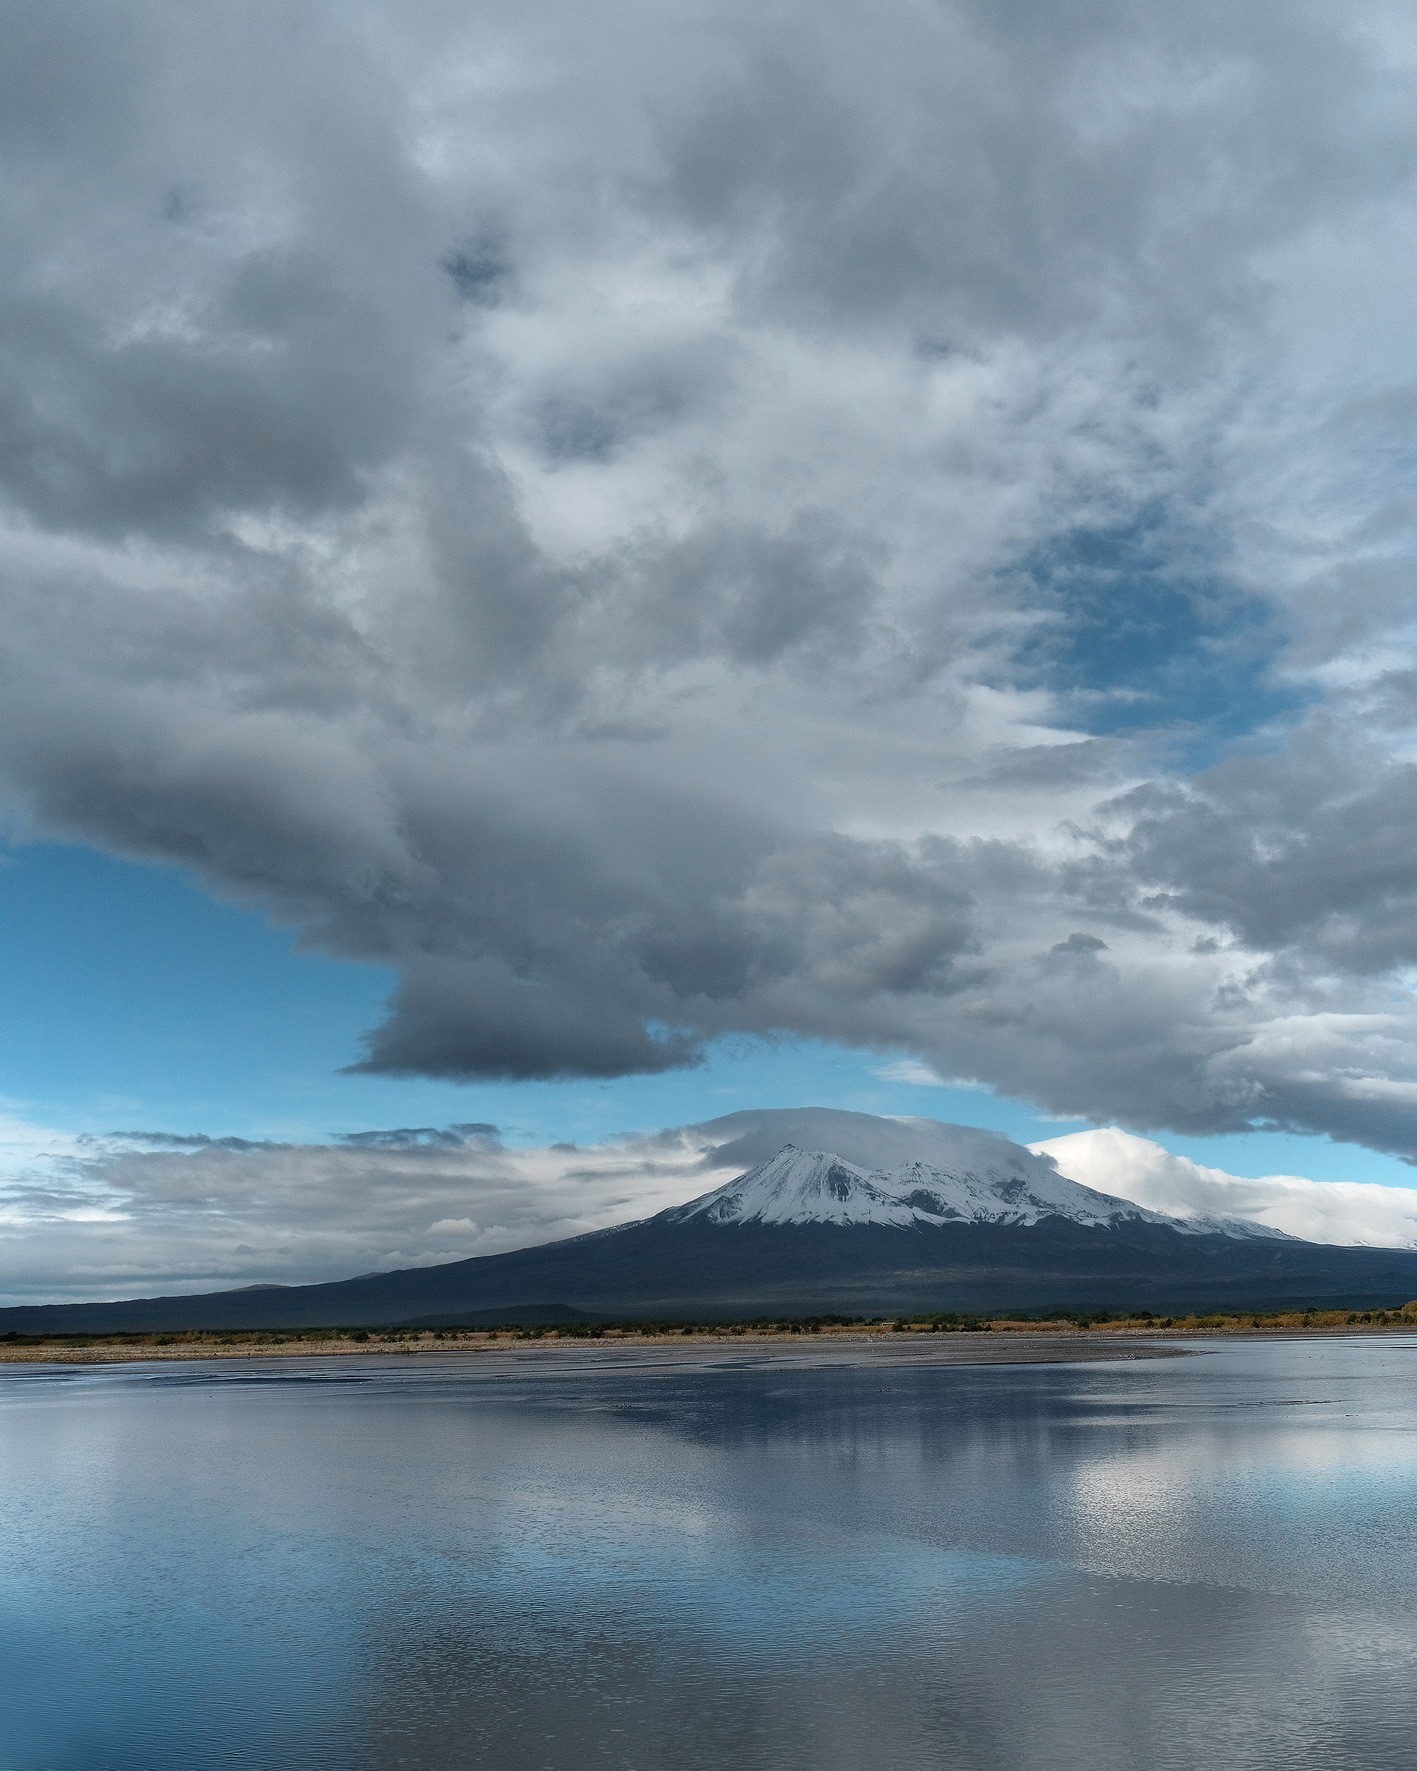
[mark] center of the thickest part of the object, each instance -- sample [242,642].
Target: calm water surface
[1192,1562]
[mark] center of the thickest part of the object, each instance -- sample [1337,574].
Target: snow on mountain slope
[818,1187]
[801,1187]
[861,1169]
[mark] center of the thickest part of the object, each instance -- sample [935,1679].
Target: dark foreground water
[1193,1562]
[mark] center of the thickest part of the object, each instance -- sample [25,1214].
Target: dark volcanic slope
[663,1270]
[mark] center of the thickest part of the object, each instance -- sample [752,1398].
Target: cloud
[1351,1212]
[793,521]
[911,1070]
[123,1216]
[422,1137]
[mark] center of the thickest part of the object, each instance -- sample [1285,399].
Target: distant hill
[835,1212]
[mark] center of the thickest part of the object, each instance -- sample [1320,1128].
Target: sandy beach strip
[648,1353]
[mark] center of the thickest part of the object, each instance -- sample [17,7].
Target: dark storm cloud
[1314,850]
[638,523]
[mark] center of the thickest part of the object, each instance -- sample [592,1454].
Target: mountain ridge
[1036,1241]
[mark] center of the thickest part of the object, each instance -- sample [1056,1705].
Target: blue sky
[137,1002]
[1151,635]
[610,566]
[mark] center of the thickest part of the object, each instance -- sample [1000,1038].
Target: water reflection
[1206,1561]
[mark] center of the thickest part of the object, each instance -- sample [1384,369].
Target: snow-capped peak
[824,1165]
[818,1187]
[801,1187]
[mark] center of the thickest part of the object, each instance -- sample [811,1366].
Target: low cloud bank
[145,1213]
[1353,1213]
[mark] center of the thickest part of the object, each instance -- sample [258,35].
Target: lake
[556,1561]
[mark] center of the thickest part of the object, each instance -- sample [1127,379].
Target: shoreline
[1000,1342]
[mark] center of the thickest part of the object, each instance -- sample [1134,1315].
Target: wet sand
[653,1353]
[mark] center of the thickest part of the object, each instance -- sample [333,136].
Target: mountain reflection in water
[1206,1561]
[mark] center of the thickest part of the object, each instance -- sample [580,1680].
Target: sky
[576,570]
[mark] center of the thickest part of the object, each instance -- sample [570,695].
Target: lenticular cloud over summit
[853,523]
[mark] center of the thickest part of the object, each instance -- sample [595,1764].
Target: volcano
[832,1213]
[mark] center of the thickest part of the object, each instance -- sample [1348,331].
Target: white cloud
[84,1217]
[911,1070]
[1128,1167]
[647,521]
[119,1217]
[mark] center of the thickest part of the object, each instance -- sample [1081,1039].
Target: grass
[251,1343]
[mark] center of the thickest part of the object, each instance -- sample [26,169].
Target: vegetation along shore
[100,1349]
